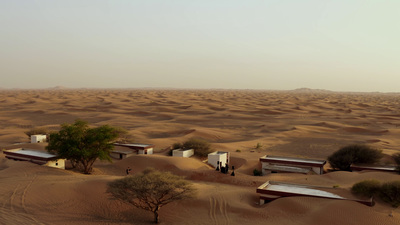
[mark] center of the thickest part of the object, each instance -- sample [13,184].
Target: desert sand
[301,123]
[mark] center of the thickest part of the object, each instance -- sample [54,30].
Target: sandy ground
[303,123]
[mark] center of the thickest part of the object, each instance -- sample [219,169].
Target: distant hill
[58,88]
[310,90]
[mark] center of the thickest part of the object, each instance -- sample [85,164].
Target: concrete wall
[318,170]
[117,155]
[214,157]
[182,153]
[38,138]
[59,163]
[148,151]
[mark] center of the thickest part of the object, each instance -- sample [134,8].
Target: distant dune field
[302,123]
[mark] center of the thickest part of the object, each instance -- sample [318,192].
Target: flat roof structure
[373,168]
[136,146]
[33,154]
[272,190]
[293,161]
[272,164]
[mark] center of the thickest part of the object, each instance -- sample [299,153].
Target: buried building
[272,190]
[274,164]
[35,156]
[38,138]
[182,153]
[145,149]
[122,154]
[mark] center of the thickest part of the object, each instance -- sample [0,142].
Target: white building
[218,157]
[182,153]
[38,138]
[35,156]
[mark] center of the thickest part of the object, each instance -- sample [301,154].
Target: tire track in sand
[218,211]
[17,202]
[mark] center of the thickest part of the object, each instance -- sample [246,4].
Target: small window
[56,163]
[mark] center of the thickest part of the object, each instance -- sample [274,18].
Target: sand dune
[302,123]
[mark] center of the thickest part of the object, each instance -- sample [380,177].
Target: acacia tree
[151,190]
[83,145]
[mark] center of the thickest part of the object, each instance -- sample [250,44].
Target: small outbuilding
[218,157]
[35,156]
[182,153]
[38,138]
[145,149]
[274,164]
[122,154]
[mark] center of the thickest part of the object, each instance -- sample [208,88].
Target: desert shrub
[201,147]
[344,157]
[36,130]
[396,158]
[177,145]
[367,188]
[257,172]
[123,136]
[174,146]
[390,193]
[238,150]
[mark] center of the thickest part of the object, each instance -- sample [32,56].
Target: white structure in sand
[38,138]
[218,156]
[183,152]
[35,156]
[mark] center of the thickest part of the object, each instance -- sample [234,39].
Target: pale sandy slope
[285,123]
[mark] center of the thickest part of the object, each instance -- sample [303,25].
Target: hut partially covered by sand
[35,156]
[272,164]
[145,149]
[183,153]
[272,190]
[38,138]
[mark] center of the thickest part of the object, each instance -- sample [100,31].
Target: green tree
[83,145]
[344,157]
[151,189]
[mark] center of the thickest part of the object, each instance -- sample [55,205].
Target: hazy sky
[349,45]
